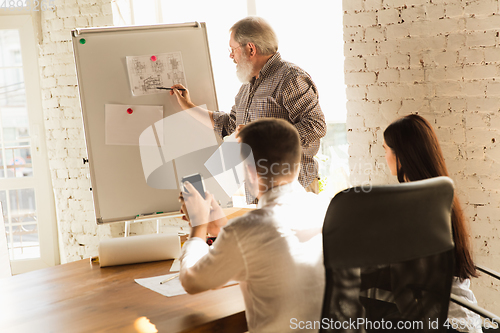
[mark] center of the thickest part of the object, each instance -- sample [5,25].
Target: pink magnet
[129,111]
[153,58]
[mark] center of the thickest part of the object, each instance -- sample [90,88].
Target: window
[311,36]
[25,186]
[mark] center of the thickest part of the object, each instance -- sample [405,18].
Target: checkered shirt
[285,91]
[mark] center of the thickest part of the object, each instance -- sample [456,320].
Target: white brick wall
[63,122]
[65,138]
[440,59]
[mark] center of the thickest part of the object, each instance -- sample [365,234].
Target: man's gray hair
[256,30]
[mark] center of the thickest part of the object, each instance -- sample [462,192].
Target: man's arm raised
[183,98]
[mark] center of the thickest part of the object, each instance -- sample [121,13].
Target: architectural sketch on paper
[145,75]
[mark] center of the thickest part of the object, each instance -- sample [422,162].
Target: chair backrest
[388,255]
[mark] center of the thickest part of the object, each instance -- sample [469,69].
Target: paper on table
[170,288]
[125,123]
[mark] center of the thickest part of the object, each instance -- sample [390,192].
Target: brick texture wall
[439,59]
[79,235]
[64,126]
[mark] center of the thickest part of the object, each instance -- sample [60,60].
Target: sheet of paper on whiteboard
[147,72]
[125,123]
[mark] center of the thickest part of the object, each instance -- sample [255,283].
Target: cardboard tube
[136,249]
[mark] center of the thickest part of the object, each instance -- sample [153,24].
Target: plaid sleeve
[224,124]
[300,98]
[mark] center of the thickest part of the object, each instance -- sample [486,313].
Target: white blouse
[464,319]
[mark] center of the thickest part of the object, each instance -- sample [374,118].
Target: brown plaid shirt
[283,90]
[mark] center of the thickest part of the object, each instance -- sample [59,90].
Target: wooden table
[82,297]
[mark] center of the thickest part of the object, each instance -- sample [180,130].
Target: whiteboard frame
[79,33]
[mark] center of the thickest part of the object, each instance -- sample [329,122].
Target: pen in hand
[164,88]
[169,279]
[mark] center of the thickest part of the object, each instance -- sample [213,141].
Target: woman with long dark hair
[413,153]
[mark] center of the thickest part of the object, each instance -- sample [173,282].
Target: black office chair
[388,255]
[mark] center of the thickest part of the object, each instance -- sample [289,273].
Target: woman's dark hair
[419,156]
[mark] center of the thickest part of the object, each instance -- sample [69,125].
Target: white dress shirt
[466,320]
[275,252]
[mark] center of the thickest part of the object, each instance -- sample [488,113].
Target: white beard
[244,70]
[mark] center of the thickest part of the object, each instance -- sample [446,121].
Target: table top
[82,297]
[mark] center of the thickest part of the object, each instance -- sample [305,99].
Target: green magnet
[82,41]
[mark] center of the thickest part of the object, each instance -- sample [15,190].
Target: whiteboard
[119,188]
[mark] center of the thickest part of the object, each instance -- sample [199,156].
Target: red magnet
[129,111]
[153,58]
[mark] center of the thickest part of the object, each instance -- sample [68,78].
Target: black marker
[170,88]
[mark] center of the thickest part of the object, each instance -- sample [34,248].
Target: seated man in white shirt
[275,251]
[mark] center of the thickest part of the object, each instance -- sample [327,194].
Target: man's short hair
[275,146]
[256,30]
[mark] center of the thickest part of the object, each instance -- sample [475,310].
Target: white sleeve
[204,268]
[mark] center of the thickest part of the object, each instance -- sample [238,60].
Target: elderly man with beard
[272,88]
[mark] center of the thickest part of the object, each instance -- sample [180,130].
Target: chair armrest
[474,308]
[488,271]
